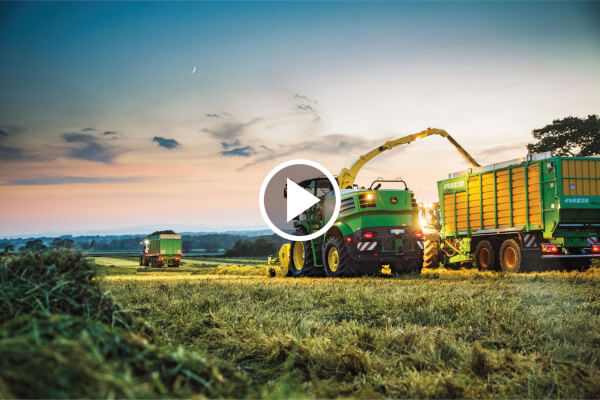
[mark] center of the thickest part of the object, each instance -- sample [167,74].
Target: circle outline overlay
[336,210]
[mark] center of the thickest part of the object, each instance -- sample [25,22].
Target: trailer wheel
[510,256]
[485,257]
[336,261]
[301,260]
[431,254]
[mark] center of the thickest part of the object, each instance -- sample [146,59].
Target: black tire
[141,261]
[146,262]
[301,265]
[510,256]
[431,254]
[336,246]
[485,256]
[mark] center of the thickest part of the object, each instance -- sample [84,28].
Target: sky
[104,124]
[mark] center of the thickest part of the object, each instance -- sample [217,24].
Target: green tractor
[377,229]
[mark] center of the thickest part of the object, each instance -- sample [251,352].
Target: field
[444,334]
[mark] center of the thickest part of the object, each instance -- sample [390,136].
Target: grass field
[442,334]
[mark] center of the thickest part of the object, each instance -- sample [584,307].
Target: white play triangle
[298,200]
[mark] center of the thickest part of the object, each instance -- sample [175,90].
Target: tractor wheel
[510,256]
[431,254]
[336,261]
[301,260]
[485,257]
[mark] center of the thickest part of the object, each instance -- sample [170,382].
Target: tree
[35,245]
[570,136]
[65,243]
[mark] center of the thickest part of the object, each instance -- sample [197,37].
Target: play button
[299,200]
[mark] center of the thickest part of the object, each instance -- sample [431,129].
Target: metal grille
[347,205]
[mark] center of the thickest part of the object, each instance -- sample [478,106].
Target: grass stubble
[70,328]
[444,334]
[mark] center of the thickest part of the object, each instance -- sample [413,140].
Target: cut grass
[442,334]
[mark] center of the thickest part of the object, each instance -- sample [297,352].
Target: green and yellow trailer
[531,213]
[162,248]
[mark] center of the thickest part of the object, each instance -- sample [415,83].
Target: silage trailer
[536,212]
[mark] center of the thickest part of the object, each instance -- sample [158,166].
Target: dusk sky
[104,124]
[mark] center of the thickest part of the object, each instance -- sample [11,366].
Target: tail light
[161,259]
[549,248]
[368,235]
[596,248]
[419,234]
[349,239]
[176,258]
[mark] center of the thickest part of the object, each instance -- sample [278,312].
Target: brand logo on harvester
[577,200]
[454,185]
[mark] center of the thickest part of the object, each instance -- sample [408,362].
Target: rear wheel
[431,254]
[301,262]
[336,261]
[485,257]
[510,256]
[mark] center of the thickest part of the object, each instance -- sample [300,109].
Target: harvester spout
[347,177]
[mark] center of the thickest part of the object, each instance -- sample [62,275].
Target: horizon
[126,114]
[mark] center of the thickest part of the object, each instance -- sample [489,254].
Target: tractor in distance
[161,248]
[534,213]
[377,228]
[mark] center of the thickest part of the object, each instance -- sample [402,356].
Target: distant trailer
[161,249]
[537,212]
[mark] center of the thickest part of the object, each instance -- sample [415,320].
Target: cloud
[9,153]
[307,105]
[88,129]
[229,130]
[90,148]
[328,144]
[227,145]
[213,115]
[245,151]
[166,143]
[110,133]
[65,180]
[3,132]
[500,150]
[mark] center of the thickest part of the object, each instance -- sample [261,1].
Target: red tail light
[368,235]
[596,248]
[419,234]
[349,239]
[549,248]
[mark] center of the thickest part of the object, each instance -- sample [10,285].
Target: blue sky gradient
[321,80]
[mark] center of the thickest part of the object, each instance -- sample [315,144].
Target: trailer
[531,213]
[161,248]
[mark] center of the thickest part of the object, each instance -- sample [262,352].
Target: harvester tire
[485,256]
[510,256]
[431,254]
[301,259]
[336,261]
